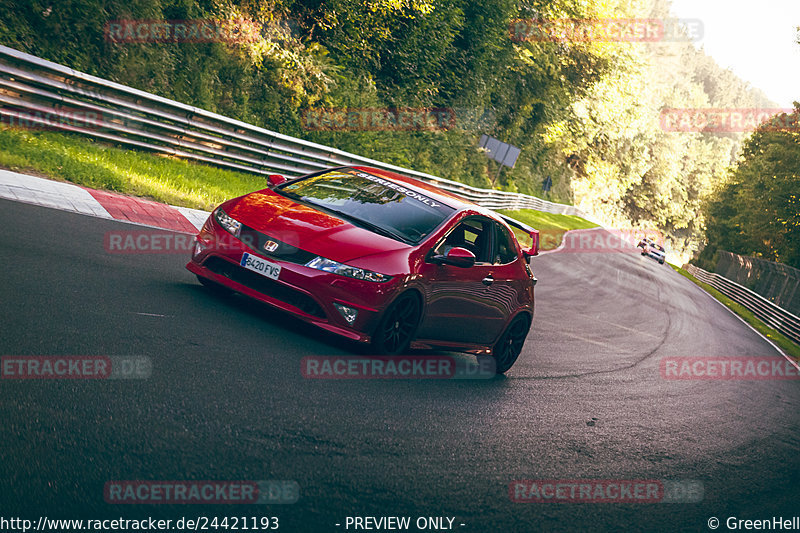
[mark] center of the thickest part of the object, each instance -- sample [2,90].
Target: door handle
[488,280]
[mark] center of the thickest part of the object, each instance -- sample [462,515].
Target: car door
[461,303]
[511,285]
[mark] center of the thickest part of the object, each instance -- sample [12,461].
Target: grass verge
[550,225]
[778,338]
[99,166]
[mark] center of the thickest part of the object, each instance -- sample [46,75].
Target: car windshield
[375,203]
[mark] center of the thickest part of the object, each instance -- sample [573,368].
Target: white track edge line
[731,311]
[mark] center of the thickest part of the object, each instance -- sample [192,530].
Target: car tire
[398,326]
[214,287]
[509,346]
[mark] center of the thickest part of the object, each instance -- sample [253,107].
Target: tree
[757,212]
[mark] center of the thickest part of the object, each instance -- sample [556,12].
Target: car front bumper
[311,295]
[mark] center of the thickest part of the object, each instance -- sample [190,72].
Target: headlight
[327,265]
[230,224]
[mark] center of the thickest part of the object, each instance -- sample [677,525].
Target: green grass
[778,338]
[550,225]
[84,162]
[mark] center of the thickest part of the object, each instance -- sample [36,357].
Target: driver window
[472,234]
[505,252]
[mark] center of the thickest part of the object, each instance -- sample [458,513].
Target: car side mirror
[534,249]
[459,257]
[275,179]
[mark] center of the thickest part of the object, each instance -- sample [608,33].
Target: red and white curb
[103,204]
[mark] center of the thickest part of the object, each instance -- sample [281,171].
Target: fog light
[348,313]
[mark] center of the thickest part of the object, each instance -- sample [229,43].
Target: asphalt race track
[226,399]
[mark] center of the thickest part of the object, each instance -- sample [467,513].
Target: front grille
[284,252]
[265,286]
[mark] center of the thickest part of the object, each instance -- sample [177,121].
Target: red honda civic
[378,258]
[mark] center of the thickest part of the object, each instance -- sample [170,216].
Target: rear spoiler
[514,223]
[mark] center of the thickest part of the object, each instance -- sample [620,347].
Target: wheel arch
[405,293]
[527,313]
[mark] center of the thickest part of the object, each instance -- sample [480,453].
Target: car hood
[307,228]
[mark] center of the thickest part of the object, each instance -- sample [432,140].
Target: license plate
[256,264]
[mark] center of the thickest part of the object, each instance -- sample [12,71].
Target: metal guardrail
[772,315]
[777,282]
[41,93]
